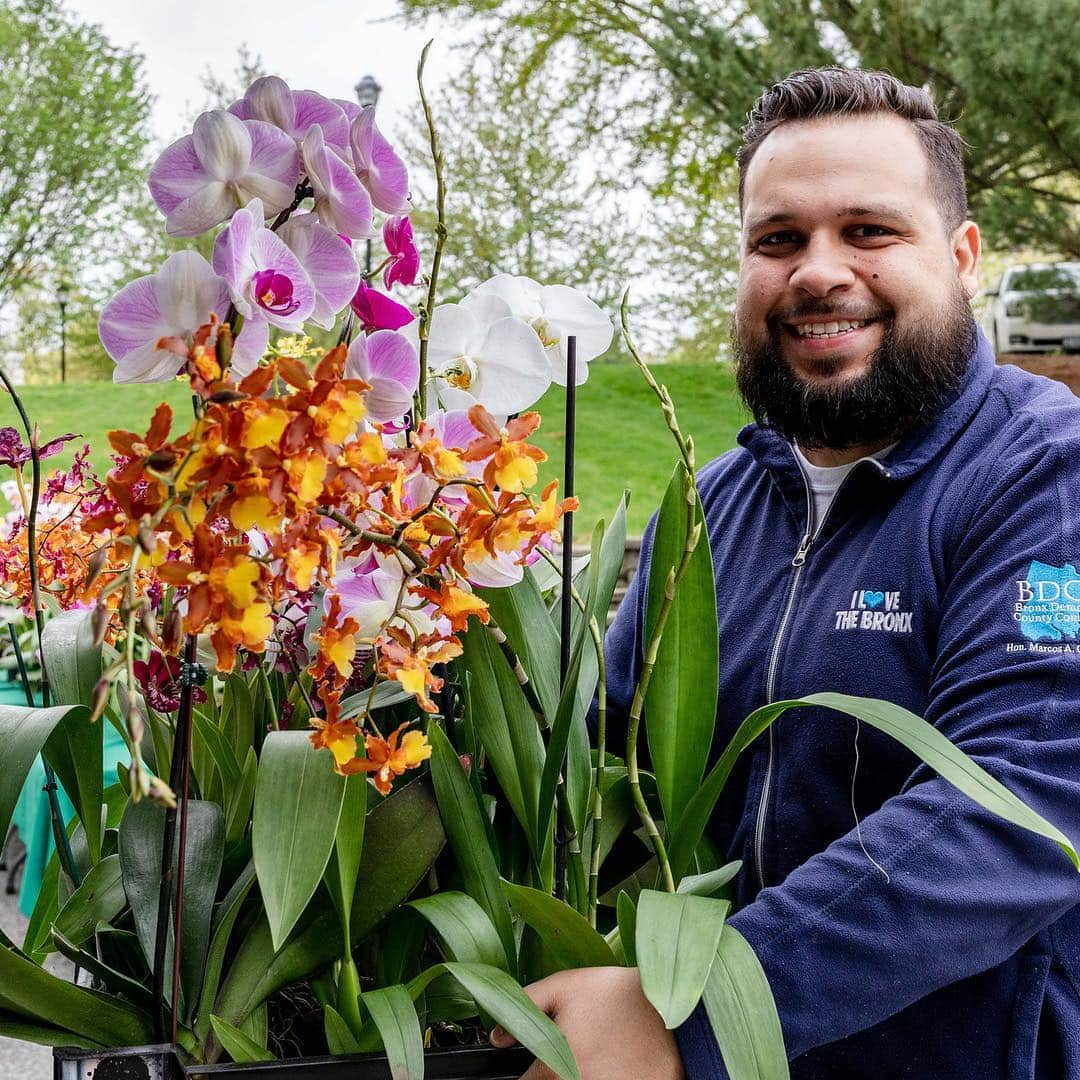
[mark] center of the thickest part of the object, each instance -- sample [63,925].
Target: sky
[328,48]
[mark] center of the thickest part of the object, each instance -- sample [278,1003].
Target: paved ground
[19,1060]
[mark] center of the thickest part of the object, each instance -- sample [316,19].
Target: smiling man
[903,522]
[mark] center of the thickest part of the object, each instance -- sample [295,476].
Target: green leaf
[922,739]
[349,843]
[39,995]
[14,1026]
[339,1038]
[468,838]
[224,921]
[402,837]
[116,981]
[72,658]
[392,1010]
[741,1009]
[142,831]
[680,706]
[626,913]
[240,800]
[505,725]
[523,617]
[298,800]
[498,995]
[464,927]
[100,898]
[220,751]
[566,938]
[676,941]
[710,883]
[26,732]
[240,1047]
[238,716]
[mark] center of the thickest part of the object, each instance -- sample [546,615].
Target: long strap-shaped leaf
[742,1012]
[676,941]
[466,931]
[392,1010]
[920,737]
[499,996]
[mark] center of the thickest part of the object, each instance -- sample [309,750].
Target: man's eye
[870,232]
[778,239]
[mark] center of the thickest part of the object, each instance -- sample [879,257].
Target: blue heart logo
[873,599]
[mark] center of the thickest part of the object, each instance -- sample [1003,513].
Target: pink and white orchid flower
[174,302]
[341,201]
[267,282]
[388,362]
[328,260]
[294,111]
[404,258]
[554,312]
[380,169]
[202,178]
[484,354]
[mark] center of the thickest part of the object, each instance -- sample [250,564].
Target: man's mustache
[828,309]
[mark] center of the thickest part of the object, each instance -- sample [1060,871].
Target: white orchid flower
[484,354]
[555,312]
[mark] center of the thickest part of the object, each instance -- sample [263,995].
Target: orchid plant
[390,811]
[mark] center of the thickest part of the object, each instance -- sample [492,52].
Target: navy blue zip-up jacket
[943,579]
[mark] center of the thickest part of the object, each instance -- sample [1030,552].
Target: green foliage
[676,79]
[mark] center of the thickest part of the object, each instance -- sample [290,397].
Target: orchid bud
[99,623]
[146,539]
[466,763]
[172,634]
[134,720]
[95,564]
[100,699]
[148,624]
[224,346]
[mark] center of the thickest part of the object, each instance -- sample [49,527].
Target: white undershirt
[825,481]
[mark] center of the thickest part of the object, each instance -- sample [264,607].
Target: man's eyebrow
[879,210]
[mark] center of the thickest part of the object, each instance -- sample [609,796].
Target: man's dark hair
[836,91]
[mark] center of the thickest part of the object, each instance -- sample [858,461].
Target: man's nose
[822,267]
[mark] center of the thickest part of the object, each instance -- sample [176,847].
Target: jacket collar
[911,455]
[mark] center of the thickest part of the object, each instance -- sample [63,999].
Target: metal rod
[177,768]
[563,833]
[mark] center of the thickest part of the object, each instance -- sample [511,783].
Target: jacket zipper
[770,678]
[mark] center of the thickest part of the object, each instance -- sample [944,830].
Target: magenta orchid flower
[341,201]
[388,362]
[328,260]
[404,258]
[159,681]
[369,588]
[172,303]
[267,282]
[382,172]
[376,311]
[294,111]
[202,178]
[14,452]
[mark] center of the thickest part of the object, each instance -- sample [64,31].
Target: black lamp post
[63,295]
[367,92]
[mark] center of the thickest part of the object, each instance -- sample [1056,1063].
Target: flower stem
[601,750]
[440,237]
[671,586]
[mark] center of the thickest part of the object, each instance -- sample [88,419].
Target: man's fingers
[502,1038]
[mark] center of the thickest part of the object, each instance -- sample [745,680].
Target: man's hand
[612,1029]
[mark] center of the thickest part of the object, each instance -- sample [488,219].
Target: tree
[73,133]
[676,78]
[523,197]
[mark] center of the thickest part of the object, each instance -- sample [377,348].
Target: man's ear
[966,246]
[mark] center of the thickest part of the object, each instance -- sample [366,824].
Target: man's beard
[908,380]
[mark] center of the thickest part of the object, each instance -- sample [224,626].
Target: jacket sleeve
[845,944]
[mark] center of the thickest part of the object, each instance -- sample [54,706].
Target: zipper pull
[804,547]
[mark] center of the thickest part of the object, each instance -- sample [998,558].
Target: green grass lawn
[622,440]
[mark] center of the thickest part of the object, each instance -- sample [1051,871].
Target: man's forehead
[834,165]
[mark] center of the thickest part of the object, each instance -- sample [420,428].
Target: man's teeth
[828,329]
